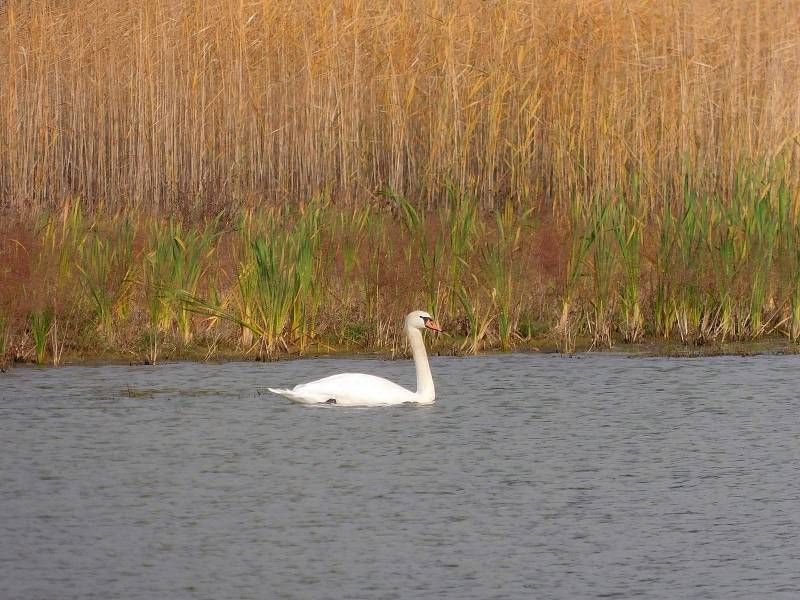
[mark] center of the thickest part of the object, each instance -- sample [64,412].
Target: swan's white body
[358,389]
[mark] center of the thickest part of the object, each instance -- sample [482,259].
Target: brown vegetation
[260,176]
[200,105]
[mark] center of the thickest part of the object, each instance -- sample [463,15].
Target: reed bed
[259,178]
[199,106]
[317,278]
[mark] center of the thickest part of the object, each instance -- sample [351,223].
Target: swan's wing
[349,389]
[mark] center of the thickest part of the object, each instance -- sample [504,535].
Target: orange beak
[431,324]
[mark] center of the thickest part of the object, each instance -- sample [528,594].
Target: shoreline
[650,348]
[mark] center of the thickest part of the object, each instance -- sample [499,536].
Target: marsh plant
[40,323]
[601,243]
[174,263]
[698,269]
[107,269]
[216,102]
[502,272]
[363,158]
[424,254]
[277,293]
[5,338]
[628,228]
[461,229]
[581,236]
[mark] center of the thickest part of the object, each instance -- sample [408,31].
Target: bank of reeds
[198,106]
[264,282]
[262,177]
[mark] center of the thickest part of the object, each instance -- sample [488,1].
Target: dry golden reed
[185,104]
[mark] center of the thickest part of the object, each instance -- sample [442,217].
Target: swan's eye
[425,319]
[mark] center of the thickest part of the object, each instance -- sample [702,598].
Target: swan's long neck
[425,390]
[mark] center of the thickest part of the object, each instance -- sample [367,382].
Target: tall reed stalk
[581,237]
[173,268]
[503,273]
[687,297]
[195,105]
[5,336]
[701,269]
[106,264]
[764,225]
[461,228]
[427,258]
[602,263]
[628,233]
[278,279]
[40,323]
[793,277]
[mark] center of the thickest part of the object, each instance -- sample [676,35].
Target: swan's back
[349,389]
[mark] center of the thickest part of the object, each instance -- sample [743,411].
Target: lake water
[533,476]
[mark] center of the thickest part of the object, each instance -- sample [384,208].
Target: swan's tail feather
[290,394]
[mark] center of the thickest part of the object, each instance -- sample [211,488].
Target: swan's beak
[431,324]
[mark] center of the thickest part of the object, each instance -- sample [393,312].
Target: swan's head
[419,319]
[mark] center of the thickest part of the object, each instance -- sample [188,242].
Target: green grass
[40,323]
[4,340]
[107,269]
[699,269]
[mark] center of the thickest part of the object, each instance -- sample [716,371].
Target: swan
[359,389]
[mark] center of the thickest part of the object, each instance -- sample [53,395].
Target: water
[534,476]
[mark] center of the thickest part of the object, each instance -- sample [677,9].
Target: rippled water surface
[537,476]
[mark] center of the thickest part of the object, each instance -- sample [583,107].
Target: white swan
[358,389]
